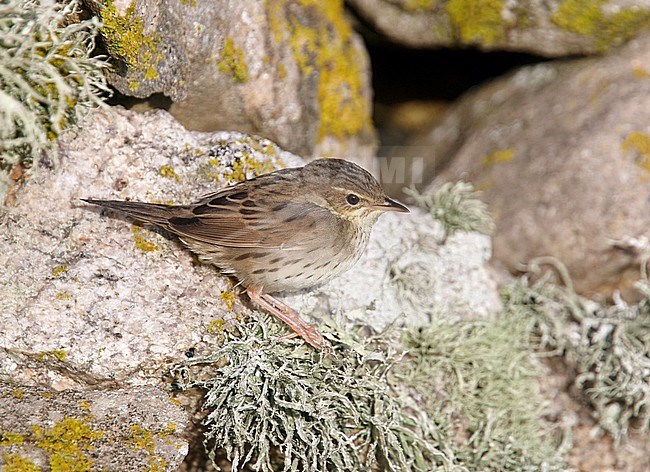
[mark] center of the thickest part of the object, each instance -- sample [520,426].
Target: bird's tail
[146,212]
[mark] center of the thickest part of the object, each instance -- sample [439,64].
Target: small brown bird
[283,231]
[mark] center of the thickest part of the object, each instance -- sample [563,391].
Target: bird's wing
[234,218]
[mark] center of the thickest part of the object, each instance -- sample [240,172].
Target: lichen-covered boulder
[555,28]
[124,429]
[122,300]
[562,153]
[88,300]
[293,72]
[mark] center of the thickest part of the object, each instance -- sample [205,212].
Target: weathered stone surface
[562,153]
[91,303]
[102,302]
[293,72]
[119,302]
[129,429]
[553,28]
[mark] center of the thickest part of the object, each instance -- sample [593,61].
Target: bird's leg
[290,317]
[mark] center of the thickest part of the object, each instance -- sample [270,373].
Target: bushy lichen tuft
[608,346]
[47,76]
[479,381]
[277,405]
[456,207]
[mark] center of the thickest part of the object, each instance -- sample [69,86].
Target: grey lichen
[607,345]
[478,380]
[456,206]
[47,75]
[277,405]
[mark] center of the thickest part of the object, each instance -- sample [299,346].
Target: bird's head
[348,190]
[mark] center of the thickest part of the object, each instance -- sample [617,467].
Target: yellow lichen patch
[10,439]
[84,405]
[498,157]
[216,326]
[63,296]
[639,142]
[477,22]
[17,463]
[420,5]
[588,18]
[143,439]
[68,443]
[59,354]
[324,51]
[175,401]
[18,393]
[140,240]
[125,38]
[247,167]
[640,73]
[231,61]
[229,299]
[58,270]
[168,173]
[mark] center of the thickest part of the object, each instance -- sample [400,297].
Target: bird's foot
[291,318]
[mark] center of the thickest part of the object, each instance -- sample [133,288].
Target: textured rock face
[128,429]
[121,300]
[555,28]
[561,152]
[117,299]
[293,72]
[88,300]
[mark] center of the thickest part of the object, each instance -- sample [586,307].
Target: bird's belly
[281,269]
[296,271]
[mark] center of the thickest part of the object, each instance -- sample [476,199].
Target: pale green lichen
[232,62]
[480,382]
[608,347]
[126,40]
[589,18]
[477,22]
[47,77]
[278,405]
[456,206]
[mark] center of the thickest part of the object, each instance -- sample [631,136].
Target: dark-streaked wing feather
[229,218]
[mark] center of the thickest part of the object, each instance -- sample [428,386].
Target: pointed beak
[391,205]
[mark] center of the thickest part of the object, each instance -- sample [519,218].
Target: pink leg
[290,317]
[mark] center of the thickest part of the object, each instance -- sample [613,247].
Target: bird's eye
[352,199]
